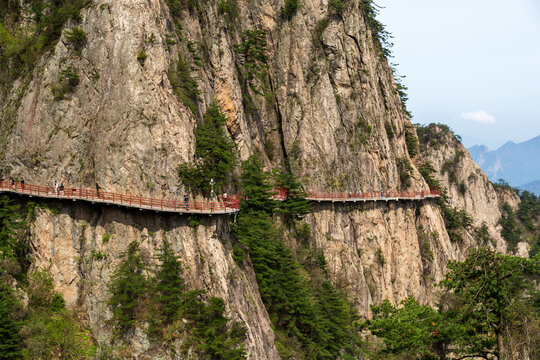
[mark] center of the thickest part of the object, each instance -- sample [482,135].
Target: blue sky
[471,64]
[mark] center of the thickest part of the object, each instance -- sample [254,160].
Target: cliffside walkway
[133,201]
[229,206]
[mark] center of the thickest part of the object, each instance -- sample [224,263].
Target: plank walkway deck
[229,206]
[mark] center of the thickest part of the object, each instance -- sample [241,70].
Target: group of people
[59,190]
[357,193]
[13,184]
[223,198]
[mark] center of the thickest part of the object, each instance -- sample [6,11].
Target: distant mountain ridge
[516,163]
[533,187]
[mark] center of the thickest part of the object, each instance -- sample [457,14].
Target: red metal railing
[229,205]
[224,205]
[374,195]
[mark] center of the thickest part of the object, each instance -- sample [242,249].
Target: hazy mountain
[515,163]
[532,187]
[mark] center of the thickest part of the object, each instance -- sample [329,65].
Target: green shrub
[380,257]
[462,188]
[105,238]
[12,223]
[229,9]
[49,330]
[288,11]
[434,135]
[336,6]
[427,171]
[402,92]
[411,141]
[19,50]
[405,171]
[252,52]
[141,57]
[318,32]
[76,37]
[184,85]
[69,79]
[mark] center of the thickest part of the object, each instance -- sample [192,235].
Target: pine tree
[214,153]
[295,206]
[11,222]
[127,287]
[209,331]
[10,340]
[169,285]
[256,187]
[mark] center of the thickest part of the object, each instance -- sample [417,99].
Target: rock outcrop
[327,101]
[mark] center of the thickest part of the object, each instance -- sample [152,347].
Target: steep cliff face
[325,98]
[81,245]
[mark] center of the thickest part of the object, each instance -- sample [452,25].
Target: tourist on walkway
[12,184]
[22,184]
[186,202]
[56,188]
[62,189]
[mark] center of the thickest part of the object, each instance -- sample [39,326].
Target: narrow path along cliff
[228,205]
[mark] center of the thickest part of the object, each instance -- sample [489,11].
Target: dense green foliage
[411,328]
[11,224]
[490,284]
[49,329]
[489,303]
[510,231]
[405,171]
[161,299]
[312,319]
[252,53]
[76,37]
[10,339]
[168,284]
[451,166]
[208,329]
[402,92]
[411,140]
[69,79]
[184,85]
[215,156]
[19,50]
[434,135]
[289,10]
[522,224]
[128,288]
[295,206]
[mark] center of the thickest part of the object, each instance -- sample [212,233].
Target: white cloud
[481,117]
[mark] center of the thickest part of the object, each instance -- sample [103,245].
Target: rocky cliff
[323,97]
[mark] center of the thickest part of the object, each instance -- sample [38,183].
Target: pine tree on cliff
[10,340]
[256,187]
[127,287]
[295,206]
[215,157]
[169,285]
[11,223]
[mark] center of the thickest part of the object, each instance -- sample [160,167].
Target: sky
[471,64]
